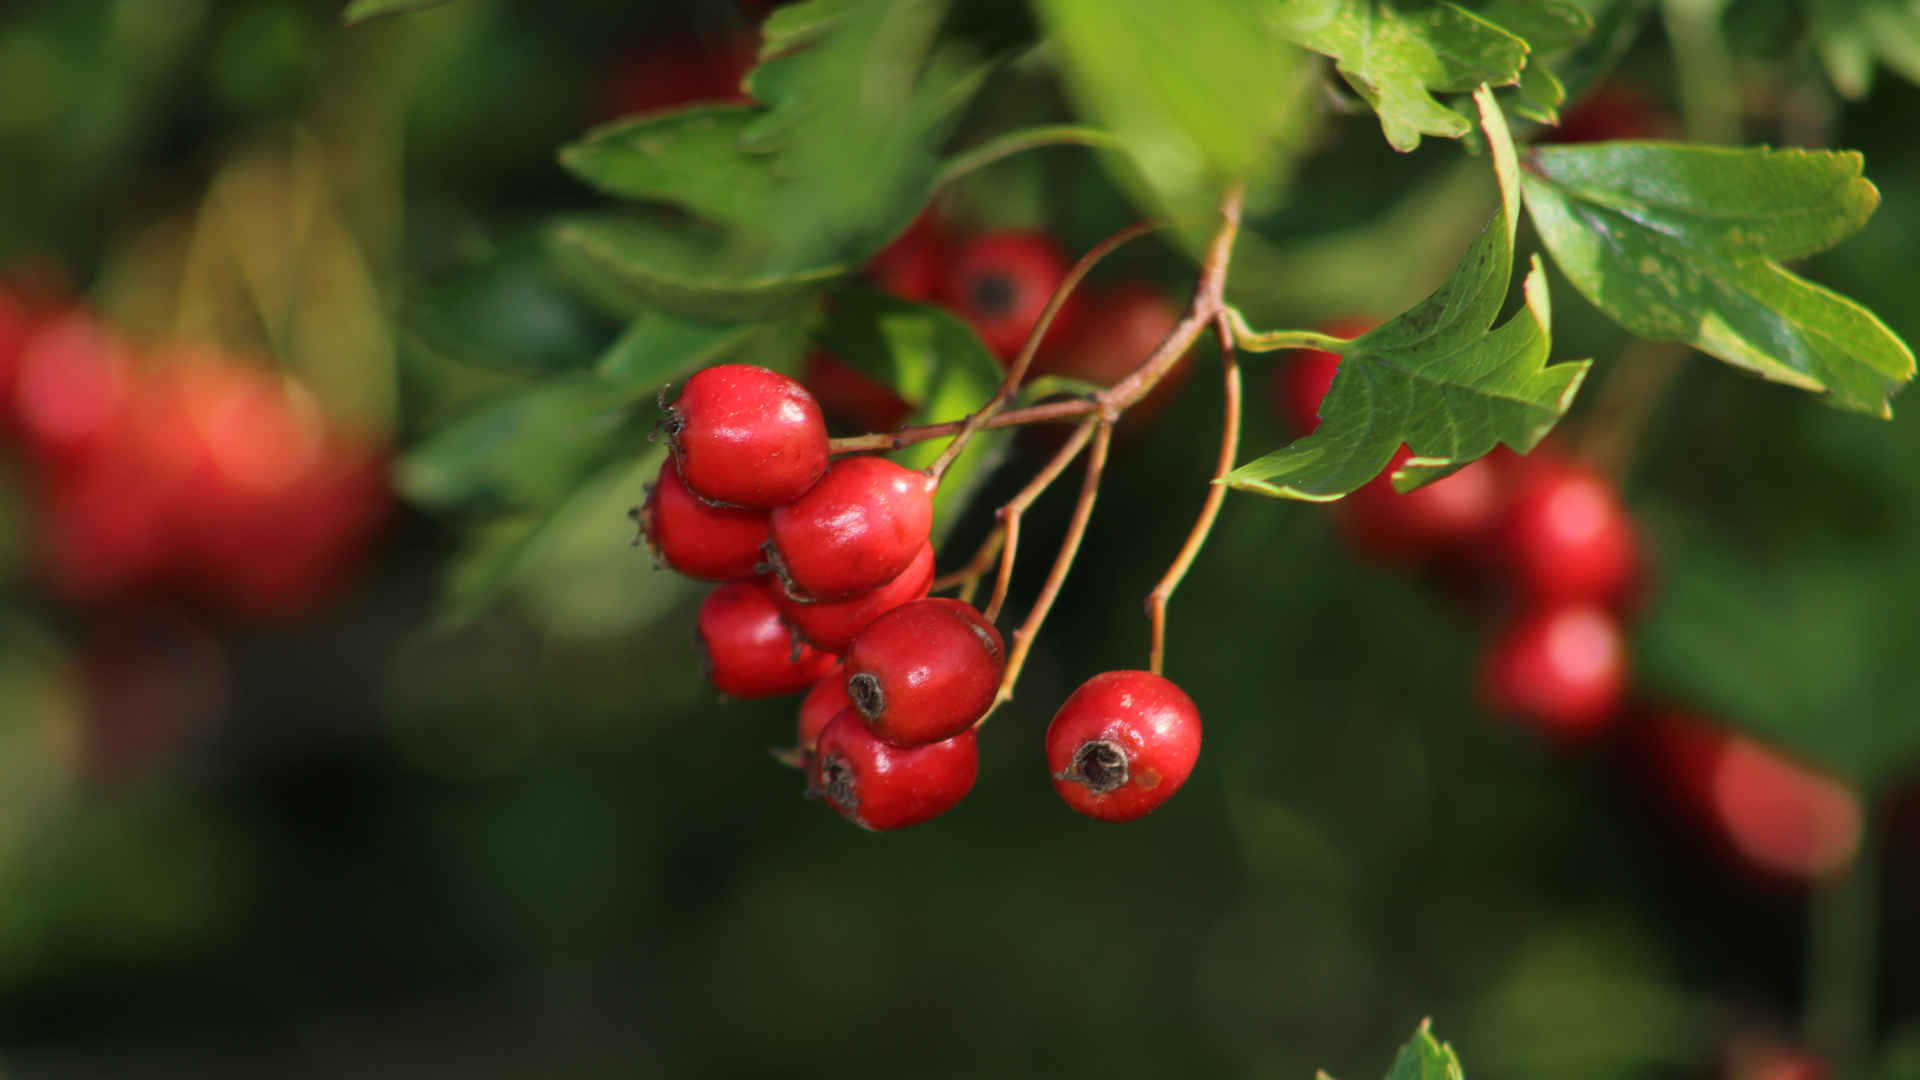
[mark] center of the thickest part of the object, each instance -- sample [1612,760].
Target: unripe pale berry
[714,543]
[751,652]
[1122,744]
[1000,282]
[1561,668]
[879,787]
[925,671]
[748,437]
[859,528]
[833,624]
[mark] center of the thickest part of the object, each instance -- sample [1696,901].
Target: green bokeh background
[535,843]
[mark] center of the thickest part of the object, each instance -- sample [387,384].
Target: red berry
[1122,744]
[925,671]
[701,541]
[1562,668]
[1441,518]
[853,397]
[1782,816]
[858,529]
[1301,382]
[822,703]
[71,386]
[1568,537]
[679,71]
[1117,327]
[751,652]
[747,437]
[999,282]
[879,787]
[833,624]
[1614,110]
[16,325]
[910,266]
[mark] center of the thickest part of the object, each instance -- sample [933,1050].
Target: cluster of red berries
[180,474]
[998,282]
[826,566]
[1546,544]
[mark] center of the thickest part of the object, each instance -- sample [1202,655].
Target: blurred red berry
[852,397]
[1562,669]
[999,282]
[1301,381]
[666,72]
[910,266]
[1434,521]
[1568,536]
[1613,110]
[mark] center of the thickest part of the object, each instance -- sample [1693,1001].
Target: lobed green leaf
[690,158]
[1682,243]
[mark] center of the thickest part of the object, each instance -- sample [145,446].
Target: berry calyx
[750,650]
[878,786]
[832,625]
[999,283]
[925,671]
[856,530]
[699,540]
[744,436]
[1122,744]
[1562,668]
[1568,537]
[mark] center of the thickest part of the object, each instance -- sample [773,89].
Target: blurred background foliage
[482,817]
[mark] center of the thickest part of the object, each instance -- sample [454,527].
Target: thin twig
[1007,145]
[1210,509]
[1069,547]
[967,578]
[1049,412]
[1017,372]
[1016,506]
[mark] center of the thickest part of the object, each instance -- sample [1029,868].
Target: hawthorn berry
[1117,326]
[1567,536]
[747,437]
[856,530]
[71,385]
[1441,518]
[833,624]
[925,671]
[750,650]
[910,266]
[1781,816]
[822,703]
[878,786]
[714,543]
[678,71]
[1613,110]
[851,396]
[999,282]
[1122,744]
[1561,667]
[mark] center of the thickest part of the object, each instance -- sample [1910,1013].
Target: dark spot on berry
[993,294]
[864,689]
[842,786]
[1100,765]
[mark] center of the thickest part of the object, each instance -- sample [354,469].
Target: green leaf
[690,158]
[1551,29]
[795,25]
[635,263]
[1426,1058]
[362,10]
[1681,243]
[511,312]
[935,362]
[656,347]
[1435,378]
[1851,36]
[1201,93]
[1398,55]
[526,450]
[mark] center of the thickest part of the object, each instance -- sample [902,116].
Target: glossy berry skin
[1561,668]
[856,530]
[925,671]
[1122,744]
[833,624]
[999,282]
[1301,382]
[1568,537]
[852,397]
[1426,523]
[747,437]
[751,652]
[822,703]
[879,787]
[714,543]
